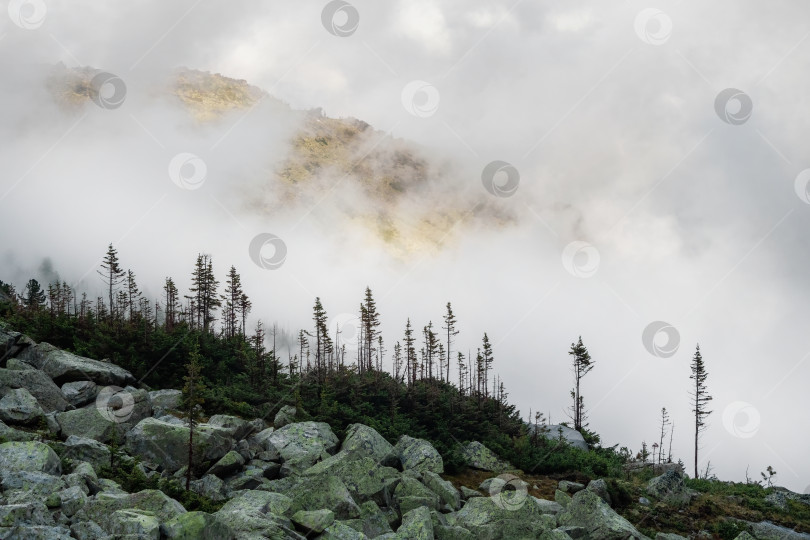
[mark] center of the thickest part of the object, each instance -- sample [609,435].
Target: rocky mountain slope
[71,424]
[406,197]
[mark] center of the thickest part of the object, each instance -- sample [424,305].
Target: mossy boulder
[418,455]
[30,456]
[364,440]
[196,526]
[478,456]
[416,525]
[102,505]
[589,511]
[313,521]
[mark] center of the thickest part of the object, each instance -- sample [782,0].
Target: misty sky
[647,191]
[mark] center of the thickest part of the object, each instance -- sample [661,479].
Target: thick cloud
[611,123]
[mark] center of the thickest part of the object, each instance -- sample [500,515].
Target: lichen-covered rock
[88,450]
[364,478]
[589,511]
[742,536]
[31,456]
[99,507]
[302,439]
[447,493]
[142,525]
[285,415]
[72,500]
[18,406]
[568,435]
[38,384]
[314,521]
[416,525]
[167,444]
[466,493]
[409,489]
[478,456]
[670,487]
[364,440]
[23,486]
[39,532]
[196,526]
[89,423]
[548,507]
[341,531]
[569,487]
[670,536]
[87,530]
[234,426]
[164,401]
[316,493]
[562,498]
[229,463]
[8,433]
[452,532]
[62,367]
[25,514]
[209,486]
[251,479]
[79,393]
[419,455]
[600,487]
[493,513]
[373,522]
[765,530]
[254,514]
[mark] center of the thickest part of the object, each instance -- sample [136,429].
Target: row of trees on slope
[322,350]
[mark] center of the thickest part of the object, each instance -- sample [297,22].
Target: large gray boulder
[589,511]
[257,514]
[364,478]
[418,455]
[164,401]
[100,507]
[234,426]
[80,393]
[133,524]
[30,456]
[8,433]
[89,450]
[166,444]
[196,526]
[89,423]
[316,493]
[478,456]
[670,487]
[448,494]
[285,415]
[513,516]
[24,515]
[569,435]
[416,525]
[365,440]
[62,367]
[38,384]
[301,439]
[18,406]
[765,530]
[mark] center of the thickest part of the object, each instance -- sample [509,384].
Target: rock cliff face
[295,480]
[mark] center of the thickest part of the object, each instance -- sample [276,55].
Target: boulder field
[64,419]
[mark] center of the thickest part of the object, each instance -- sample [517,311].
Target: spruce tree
[34,297]
[112,274]
[450,328]
[582,364]
[192,402]
[700,398]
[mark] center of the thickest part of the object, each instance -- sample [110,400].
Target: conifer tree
[233,301]
[450,328]
[700,398]
[410,354]
[664,423]
[204,289]
[582,364]
[112,274]
[133,294]
[192,402]
[172,305]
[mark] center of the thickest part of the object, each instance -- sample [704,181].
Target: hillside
[89,448]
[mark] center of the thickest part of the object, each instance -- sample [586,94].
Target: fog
[689,209]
